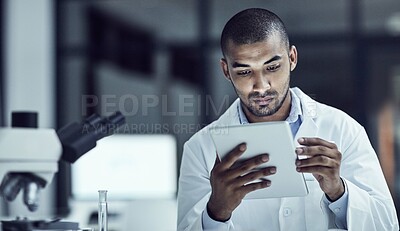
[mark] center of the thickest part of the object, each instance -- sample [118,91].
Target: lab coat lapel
[315,213]
[308,128]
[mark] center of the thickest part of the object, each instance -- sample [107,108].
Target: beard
[269,109]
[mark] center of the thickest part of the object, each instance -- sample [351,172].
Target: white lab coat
[370,205]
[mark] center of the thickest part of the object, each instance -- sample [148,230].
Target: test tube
[103,222]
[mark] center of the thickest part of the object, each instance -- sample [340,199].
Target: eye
[273,68]
[243,73]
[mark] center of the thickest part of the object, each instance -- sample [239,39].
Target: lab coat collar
[308,105]
[308,127]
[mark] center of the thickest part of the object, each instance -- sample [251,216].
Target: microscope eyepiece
[77,139]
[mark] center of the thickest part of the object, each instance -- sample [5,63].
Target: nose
[261,83]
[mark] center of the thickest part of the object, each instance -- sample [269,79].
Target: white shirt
[369,204]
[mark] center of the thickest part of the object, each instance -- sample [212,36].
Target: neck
[280,115]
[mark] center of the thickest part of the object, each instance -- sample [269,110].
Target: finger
[249,165]
[320,170]
[256,175]
[319,160]
[233,156]
[255,186]
[312,141]
[318,150]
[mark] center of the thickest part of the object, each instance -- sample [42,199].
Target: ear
[224,67]
[293,57]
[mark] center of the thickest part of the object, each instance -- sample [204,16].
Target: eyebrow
[275,58]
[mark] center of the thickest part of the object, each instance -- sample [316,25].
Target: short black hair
[251,26]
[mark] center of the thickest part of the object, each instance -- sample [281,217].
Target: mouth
[263,101]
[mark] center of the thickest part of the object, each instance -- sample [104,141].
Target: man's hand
[231,181]
[324,163]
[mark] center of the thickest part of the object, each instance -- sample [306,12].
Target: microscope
[29,157]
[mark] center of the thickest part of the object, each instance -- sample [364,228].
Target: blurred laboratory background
[157,61]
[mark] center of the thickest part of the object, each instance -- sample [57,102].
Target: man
[347,189]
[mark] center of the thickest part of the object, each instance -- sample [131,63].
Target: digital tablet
[274,138]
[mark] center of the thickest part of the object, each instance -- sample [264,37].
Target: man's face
[260,74]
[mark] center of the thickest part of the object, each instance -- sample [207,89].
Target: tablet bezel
[274,138]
